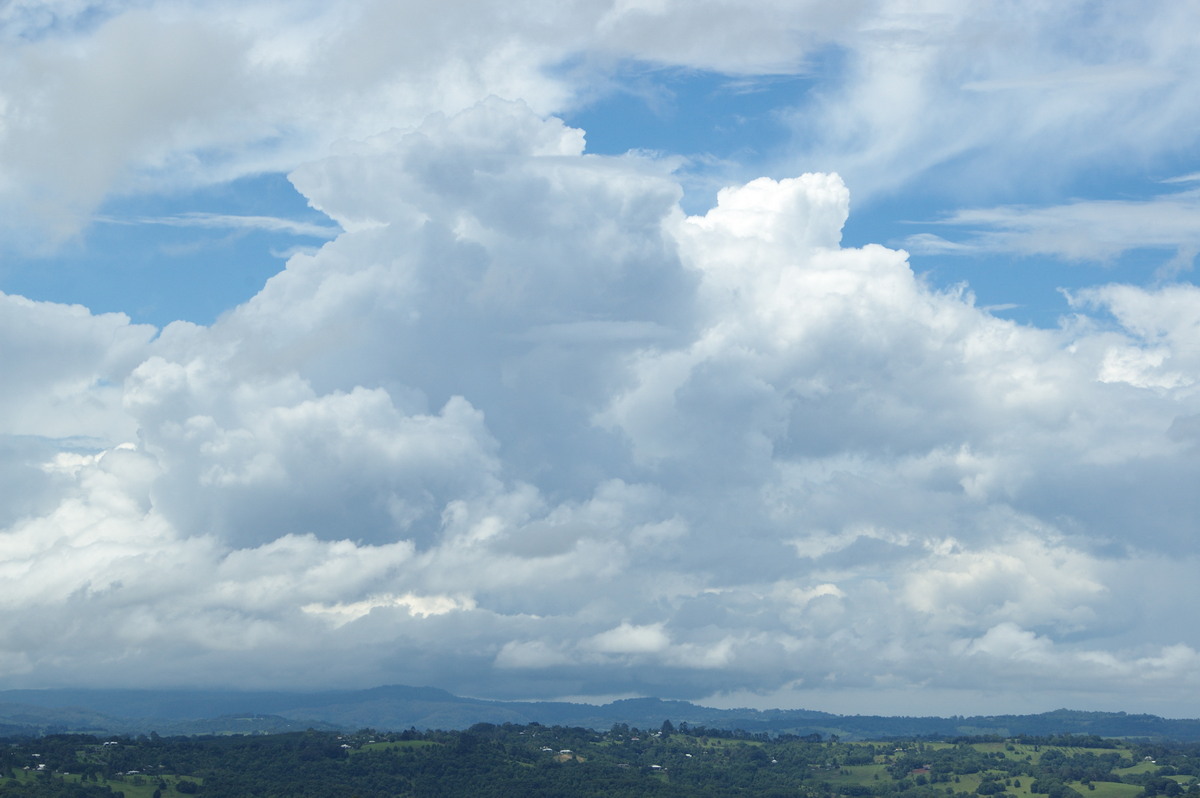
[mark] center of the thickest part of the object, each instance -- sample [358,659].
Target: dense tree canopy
[535,760]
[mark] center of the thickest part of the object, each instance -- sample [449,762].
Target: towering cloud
[525,428]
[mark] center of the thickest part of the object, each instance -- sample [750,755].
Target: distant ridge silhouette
[128,711]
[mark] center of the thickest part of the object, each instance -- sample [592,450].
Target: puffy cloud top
[526,429]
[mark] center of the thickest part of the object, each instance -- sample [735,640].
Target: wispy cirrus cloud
[225,221]
[1007,93]
[1084,230]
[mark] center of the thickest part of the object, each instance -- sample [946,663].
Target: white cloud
[437,434]
[630,639]
[244,88]
[63,367]
[1028,581]
[524,428]
[341,614]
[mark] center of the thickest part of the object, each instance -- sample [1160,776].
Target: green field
[399,745]
[137,786]
[1108,789]
[858,775]
[1140,767]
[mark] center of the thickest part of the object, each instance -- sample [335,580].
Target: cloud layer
[524,428]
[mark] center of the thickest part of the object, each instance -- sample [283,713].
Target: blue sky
[801,354]
[161,258]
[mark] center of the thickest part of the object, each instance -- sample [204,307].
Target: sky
[788,353]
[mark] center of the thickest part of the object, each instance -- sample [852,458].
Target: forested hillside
[536,760]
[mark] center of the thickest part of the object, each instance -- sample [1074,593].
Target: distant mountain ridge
[169,712]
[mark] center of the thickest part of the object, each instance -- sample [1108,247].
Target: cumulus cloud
[524,428]
[63,368]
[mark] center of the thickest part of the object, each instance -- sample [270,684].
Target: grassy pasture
[399,745]
[856,775]
[1108,789]
[995,748]
[1140,767]
[138,786]
[722,742]
[967,782]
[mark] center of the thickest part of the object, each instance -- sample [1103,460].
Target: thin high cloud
[224,221]
[1088,230]
[993,100]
